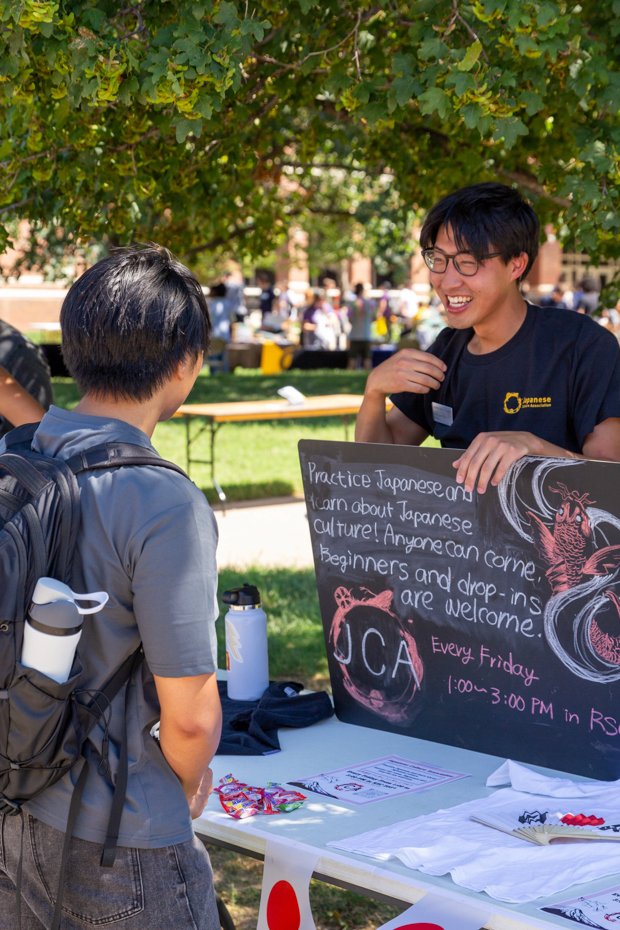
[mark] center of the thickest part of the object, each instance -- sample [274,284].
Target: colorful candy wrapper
[241,801]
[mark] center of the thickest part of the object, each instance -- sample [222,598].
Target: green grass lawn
[253,459]
[296,645]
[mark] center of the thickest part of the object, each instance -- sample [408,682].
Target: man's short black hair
[486,218]
[129,321]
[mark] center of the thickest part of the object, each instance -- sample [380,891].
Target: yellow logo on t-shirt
[514,402]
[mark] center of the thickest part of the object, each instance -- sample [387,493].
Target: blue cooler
[382,353]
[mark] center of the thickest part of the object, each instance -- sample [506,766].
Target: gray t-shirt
[148,537]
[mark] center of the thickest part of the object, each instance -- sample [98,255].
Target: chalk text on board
[341,479]
[365,563]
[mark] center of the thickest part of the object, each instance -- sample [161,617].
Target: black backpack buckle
[12,808]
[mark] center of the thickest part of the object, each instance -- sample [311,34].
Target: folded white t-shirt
[482,859]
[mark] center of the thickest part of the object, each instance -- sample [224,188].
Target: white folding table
[331,745]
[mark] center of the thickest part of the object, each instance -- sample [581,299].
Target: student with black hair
[505,379]
[135,328]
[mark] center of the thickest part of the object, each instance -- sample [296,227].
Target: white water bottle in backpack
[247,657]
[54,626]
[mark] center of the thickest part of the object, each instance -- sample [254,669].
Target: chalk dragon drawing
[582,567]
[398,707]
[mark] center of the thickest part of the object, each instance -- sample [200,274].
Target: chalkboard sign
[491,621]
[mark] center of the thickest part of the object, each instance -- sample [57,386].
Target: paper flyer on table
[594,910]
[377,780]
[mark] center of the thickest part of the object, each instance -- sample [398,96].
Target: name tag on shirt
[442,414]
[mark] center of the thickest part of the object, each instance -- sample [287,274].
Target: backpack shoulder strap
[115,454]
[23,434]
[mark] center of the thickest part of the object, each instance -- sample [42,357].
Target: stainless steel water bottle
[247,657]
[54,626]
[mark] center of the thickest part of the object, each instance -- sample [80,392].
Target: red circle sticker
[283,909]
[422,926]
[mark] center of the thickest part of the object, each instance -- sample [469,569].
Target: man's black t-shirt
[557,378]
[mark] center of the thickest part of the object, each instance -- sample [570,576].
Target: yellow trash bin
[275,358]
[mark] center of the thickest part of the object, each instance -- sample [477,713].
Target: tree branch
[21,203]
[244,230]
[531,184]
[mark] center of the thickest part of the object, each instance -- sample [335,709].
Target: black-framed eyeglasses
[464,262]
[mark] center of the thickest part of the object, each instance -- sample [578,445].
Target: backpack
[39,522]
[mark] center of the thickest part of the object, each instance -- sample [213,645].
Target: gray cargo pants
[147,889]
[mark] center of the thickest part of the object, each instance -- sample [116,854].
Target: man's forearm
[371,425]
[190,727]
[16,404]
[189,753]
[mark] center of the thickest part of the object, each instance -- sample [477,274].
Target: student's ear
[188,367]
[518,265]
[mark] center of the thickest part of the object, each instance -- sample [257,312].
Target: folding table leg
[216,484]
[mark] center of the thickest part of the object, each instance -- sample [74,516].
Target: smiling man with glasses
[506,378]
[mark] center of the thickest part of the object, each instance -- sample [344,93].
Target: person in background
[567,293]
[220,310]
[577,294]
[25,383]
[235,295]
[384,310]
[409,303]
[361,316]
[610,319]
[314,324]
[555,299]
[589,300]
[267,295]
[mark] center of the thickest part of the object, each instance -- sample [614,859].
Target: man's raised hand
[408,370]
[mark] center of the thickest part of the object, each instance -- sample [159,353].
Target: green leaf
[403,64]
[533,102]
[95,18]
[227,15]
[306,5]
[403,88]
[547,13]
[509,129]
[337,82]
[434,100]
[373,112]
[204,106]
[471,56]
[462,82]
[185,127]
[471,115]
[432,47]
[362,92]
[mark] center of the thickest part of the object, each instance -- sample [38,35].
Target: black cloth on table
[250,728]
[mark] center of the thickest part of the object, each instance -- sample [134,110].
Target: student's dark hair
[589,285]
[359,289]
[486,218]
[128,322]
